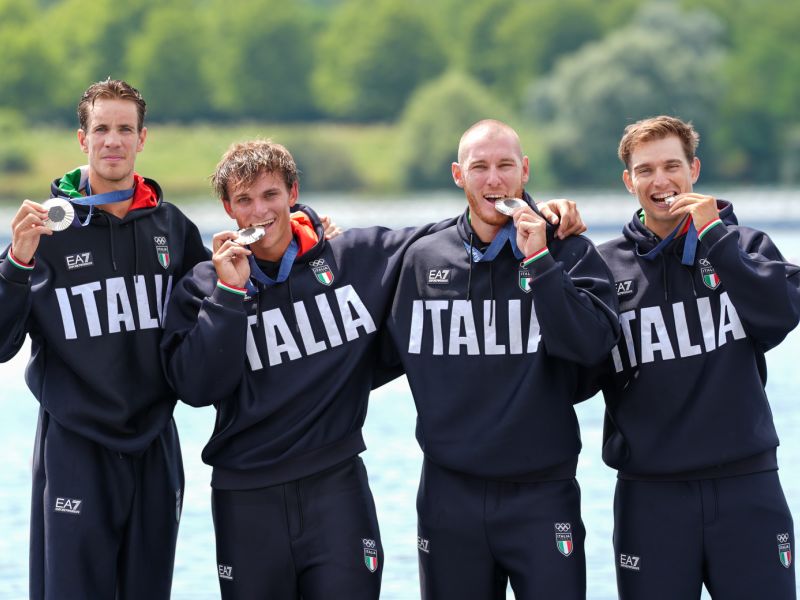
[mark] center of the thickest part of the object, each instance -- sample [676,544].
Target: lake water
[393,457]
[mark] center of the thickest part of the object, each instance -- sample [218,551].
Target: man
[107,471]
[492,319]
[286,328]
[688,426]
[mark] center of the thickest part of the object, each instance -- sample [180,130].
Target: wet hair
[112,89]
[244,162]
[657,128]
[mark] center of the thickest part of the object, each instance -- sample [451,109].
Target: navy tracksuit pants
[315,538]
[103,524]
[476,535]
[733,534]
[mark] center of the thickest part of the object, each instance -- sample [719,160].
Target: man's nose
[112,139]
[493,176]
[661,178]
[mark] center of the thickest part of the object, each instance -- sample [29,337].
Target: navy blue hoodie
[492,351]
[685,391]
[289,367]
[93,306]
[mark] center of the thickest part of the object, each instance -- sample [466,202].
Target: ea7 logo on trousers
[225,572]
[68,505]
[629,561]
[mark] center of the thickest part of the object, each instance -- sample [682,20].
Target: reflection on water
[393,458]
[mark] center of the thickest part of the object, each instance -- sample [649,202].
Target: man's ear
[626,178]
[82,141]
[458,175]
[695,170]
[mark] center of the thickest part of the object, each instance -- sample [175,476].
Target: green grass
[181,157]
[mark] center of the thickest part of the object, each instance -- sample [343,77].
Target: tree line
[573,72]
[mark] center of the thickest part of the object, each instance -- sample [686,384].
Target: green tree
[432,123]
[372,57]
[93,44]
[32,69]
[760,109]
[261,60]
[164,63]
[665,61]
[506,44]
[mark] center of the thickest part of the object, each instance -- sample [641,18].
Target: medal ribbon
[507,234]
[93,200]
[287,260]
[689,246]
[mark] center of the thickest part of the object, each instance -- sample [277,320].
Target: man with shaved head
[492,319]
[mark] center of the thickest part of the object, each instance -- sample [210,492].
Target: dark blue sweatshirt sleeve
[394,243]
[15,298]
[205,339]
[387,365]
[575,302]
[764,288]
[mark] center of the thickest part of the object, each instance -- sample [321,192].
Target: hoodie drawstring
[111,241]
[294,308]
[491,294]
[135,253]
[470,259]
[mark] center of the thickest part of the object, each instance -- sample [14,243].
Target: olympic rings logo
[368,543]
[160,240]
[783,538]
[562,527]
[320,262]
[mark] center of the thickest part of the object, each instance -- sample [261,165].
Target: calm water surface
[393,458]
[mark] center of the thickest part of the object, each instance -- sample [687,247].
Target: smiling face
[658,170]
[112,139]
[266,202]
[491,166]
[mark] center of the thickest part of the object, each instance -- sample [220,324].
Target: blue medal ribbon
[507,234]
[91,201]
[287,260]
[689,245]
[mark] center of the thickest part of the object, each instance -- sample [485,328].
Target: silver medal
[248,235]
[509,205]
[670,200]
[59,214]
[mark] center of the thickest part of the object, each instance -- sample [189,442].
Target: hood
[147,195]
[645,240]
[308,231]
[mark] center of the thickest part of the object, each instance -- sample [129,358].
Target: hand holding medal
[230,254]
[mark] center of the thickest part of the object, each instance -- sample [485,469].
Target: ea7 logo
[629,561]
[625,288]
[438,276]
[423,545]
[225,572]
[81,259]
[68,505]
